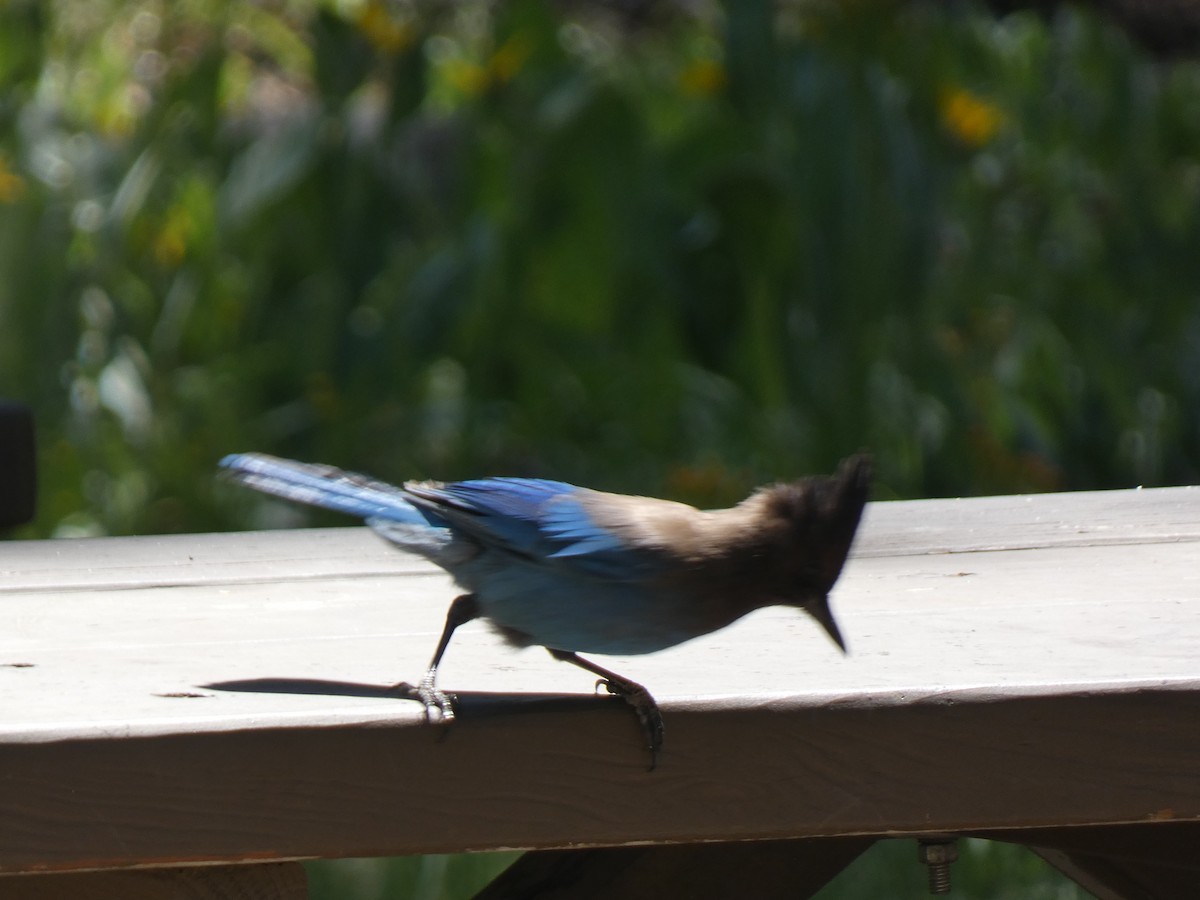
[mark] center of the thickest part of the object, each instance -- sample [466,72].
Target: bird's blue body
[573,569]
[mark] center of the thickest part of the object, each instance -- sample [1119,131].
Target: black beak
[819,610]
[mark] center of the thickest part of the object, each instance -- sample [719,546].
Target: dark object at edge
[18,466]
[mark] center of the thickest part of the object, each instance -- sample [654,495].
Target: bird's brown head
[815,520]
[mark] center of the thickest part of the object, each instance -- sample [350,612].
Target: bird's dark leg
[633,694]
[462,610]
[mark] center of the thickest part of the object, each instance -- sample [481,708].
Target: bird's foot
[439,705]
[646,708]
[631,692]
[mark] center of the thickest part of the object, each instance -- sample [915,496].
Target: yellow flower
[171,242]
[383,31]
[12,185]
[969,117]
[473,79]
[702,77]
[509,58]
[467,77]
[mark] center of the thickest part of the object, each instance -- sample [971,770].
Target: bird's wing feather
[543,520]
[518,498]
[497,512]
[567,523]
[324,486]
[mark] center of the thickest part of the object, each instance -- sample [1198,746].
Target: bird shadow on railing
[470,704]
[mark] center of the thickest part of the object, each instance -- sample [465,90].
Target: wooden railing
[190,715]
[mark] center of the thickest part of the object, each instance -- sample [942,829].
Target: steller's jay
[574,569]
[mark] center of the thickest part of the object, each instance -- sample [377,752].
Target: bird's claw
[439,705]
[647,712]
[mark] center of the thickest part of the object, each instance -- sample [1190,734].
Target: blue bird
[578,570]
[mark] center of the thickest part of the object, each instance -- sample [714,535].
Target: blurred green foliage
[986,870]
[678,257]
[411,878]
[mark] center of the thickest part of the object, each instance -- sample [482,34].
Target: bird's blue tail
[325,486]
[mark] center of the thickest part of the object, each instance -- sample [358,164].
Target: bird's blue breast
[558,608]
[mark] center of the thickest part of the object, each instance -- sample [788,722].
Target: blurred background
[668,248]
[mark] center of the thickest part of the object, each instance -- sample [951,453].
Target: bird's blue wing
[567,524]
[540,519]
[498,512]
[517,498]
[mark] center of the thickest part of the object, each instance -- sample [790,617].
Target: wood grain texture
[1014,662]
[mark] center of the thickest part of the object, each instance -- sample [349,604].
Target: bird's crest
[822,513]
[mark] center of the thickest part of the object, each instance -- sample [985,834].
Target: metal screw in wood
[937,854]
